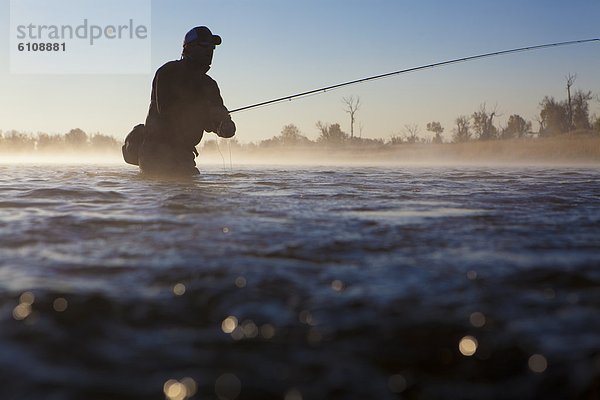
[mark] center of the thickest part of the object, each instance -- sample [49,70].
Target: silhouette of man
[185,102]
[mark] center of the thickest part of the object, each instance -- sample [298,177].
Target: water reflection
[179,289]
[537,363]
[343,284]
[229,324]
[468,346]
[228,386]
[180,390]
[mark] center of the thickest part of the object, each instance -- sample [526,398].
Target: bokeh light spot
[249,329]
[27,298]
[179,289]
[240,282]
[267,331]
[21,311]
[306,317]
[190,385]
[467,346]
[60,304]
[477,319]
[537,363]
[175,390]
[337,285]
[228,387]
[229,324]
[237,334]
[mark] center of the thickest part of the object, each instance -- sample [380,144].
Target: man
[185,102]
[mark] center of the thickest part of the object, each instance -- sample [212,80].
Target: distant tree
[437,130]
[411,133]
[272,142]
[99,141]
[290,132]
[580,110]
[396,139]
[17,141]
[331,134]
[291,136]
[516,127]
[368,142]
[570,81]
[352,106]
[76,138]
[462,131]
[483,125]
[596,125]
[49,142]
[554,117]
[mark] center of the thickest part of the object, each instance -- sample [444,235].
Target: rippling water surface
[300,283]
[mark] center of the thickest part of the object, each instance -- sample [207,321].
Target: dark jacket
[184,103]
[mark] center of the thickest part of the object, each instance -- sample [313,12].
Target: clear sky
[273,48]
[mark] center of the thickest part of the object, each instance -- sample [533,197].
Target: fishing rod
[413,69]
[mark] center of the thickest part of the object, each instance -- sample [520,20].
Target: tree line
[557,117]
[74,140]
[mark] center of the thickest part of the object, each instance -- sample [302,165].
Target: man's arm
[220,120]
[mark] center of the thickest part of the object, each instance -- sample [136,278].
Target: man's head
[199,44]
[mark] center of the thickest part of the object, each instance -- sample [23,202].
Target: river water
[300,282]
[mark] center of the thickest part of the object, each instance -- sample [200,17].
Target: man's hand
[222,120]
[218,114]
[226,128]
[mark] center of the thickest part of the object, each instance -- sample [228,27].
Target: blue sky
[276,48]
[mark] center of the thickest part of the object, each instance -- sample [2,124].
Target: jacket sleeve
[217,110]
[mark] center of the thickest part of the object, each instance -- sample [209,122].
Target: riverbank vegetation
[566,131]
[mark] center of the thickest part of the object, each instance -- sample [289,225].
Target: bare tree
[462,131]
[570,81]
[580,112]
[483,124]
[411,133]
[396,139]
[331,133]
[352,106]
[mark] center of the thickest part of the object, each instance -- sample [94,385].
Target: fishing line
[230,162]
[413,69]
[222,157]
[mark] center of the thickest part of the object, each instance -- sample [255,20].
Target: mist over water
[324,282]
